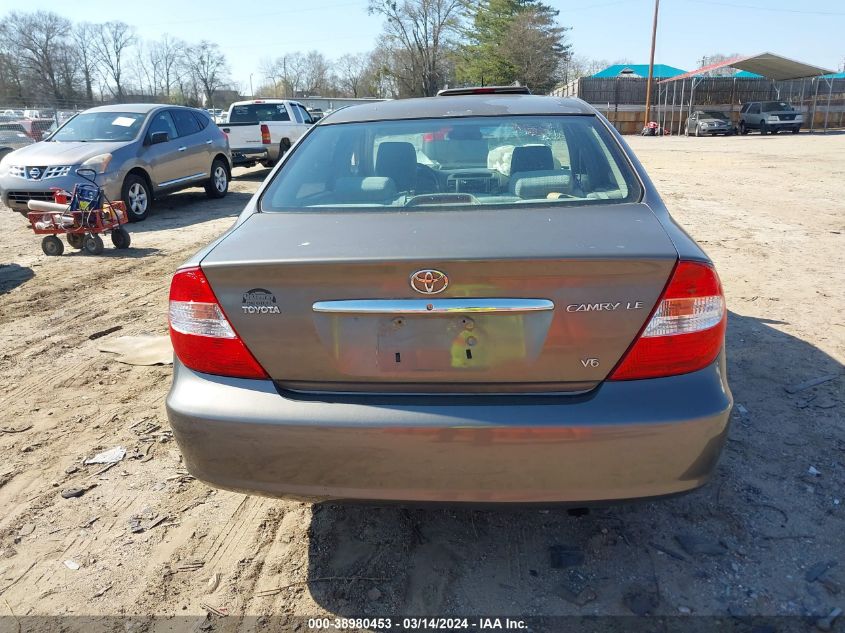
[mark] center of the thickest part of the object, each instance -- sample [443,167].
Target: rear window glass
[255,113]
[776,106]
[488,161]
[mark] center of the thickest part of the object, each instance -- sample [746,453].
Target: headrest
[397,160]
[532,158]
[539,184]
[371,189]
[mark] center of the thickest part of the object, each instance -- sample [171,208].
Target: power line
[759,8]
[260,16]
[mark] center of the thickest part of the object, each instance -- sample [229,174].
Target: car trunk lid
[538,300]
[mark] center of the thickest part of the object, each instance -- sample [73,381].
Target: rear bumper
[623,440]
[249,155]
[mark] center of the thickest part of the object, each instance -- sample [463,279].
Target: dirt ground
[762,538]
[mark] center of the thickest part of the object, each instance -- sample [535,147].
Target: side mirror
[159,137]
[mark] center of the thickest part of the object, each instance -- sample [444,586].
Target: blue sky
[604,29]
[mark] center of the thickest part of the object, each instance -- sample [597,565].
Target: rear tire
[742,129]
[93,244]
[218,185]
[120,238]
[137,196]
[795,130]
[763,128]
[75,240]
[775,130]
[52,246]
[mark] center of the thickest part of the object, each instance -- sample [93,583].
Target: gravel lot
[771,213]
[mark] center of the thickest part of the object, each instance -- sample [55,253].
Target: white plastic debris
[72,565]
[812,470]
[111,456]
[742,410]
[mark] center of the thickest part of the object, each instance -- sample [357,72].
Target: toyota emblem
[429,282]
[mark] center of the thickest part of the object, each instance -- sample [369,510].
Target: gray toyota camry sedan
[474,297]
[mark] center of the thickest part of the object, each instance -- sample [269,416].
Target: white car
[262,130]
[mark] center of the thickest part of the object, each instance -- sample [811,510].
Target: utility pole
[651,64]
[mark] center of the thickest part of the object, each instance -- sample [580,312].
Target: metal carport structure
[767,65]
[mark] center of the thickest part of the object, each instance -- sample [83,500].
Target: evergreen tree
[512,40]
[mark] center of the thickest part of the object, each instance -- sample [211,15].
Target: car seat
[533,173]
[397,161]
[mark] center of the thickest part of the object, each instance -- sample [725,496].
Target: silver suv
[769,116]
[139,151]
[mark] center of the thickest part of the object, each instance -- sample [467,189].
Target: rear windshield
[776,106]
[254,113]
[489,161]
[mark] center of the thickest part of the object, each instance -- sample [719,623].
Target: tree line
[46,59]
[424,45]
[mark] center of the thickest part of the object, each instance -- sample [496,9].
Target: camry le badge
[429,282]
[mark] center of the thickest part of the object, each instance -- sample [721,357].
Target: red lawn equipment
[82,215]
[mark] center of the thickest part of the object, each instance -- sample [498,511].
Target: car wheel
[774,130]
[742,129]
[120,238]
[795,130]
[763,128]
[137,197]
[75,240]
[218,184]
[93,244]
[52,246]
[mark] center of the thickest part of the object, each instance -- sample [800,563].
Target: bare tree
[36,39]
[145,68]
[351,71]
[167,52]
[208,68]
[110,45]
[419,33]
[315,73]
[82,36]
[718,58]
[288,70]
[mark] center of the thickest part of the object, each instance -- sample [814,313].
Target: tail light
[686,331]
[203,339]
[265,134]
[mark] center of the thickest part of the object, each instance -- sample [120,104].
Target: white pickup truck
[262,130]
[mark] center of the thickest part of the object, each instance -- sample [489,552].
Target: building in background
[638,71]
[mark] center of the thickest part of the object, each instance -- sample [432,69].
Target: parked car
[769,116]
[703,122]
[33,128]
[17,114]
[316,114]
[262,130]
[140,152]
[526,324]
[10,140]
